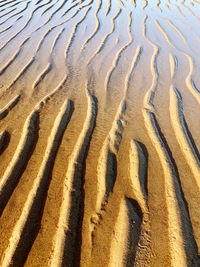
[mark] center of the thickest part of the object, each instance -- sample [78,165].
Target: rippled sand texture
[99,133]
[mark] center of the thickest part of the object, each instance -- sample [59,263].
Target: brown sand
[99,133]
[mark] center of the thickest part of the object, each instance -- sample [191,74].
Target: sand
[99,133]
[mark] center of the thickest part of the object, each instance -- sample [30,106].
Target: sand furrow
[120,238]
[164,33]
[138,174]
[10,11]
[12,16]
[117,57]
[24,26]
[132,67]
[175,234]
[191,12]
[134,3]
[19,52]
[73,7]
[16,34]
[97,24]
[110,192]
[42,5]
[179,10]
[158,5]
[38,2]
[189,80]
[106,37]
[42,40]
[149,97]
[22,72]
[5,110]
[177,30]
[76,11]
[19,12]
[66,231]
[42,75]
[173,64]
[138,161]
[13,57]
[5,4]
[15,4]
[48,8]
[10,177]
[39,186]
[106,172]
[121,3]
[2,139]
[75,28]
[46,66]
[107,160]
[6,29]
[183,135]
[108,7]
[58,9]
[126,232]
[145,4]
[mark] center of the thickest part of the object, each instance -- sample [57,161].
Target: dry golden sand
[99,133]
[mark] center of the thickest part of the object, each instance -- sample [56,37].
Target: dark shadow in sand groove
[4,141]
[197,155]
[143,168]
[135,221]
[111,173]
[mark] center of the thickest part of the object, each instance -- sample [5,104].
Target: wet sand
[99,133]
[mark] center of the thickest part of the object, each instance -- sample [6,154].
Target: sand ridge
[99,139]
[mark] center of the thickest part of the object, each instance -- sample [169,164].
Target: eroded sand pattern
[99,133]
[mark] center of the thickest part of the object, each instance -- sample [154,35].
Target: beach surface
[99,133]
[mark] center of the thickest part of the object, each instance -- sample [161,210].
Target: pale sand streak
[120,238]
[173,64]
[19,226]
